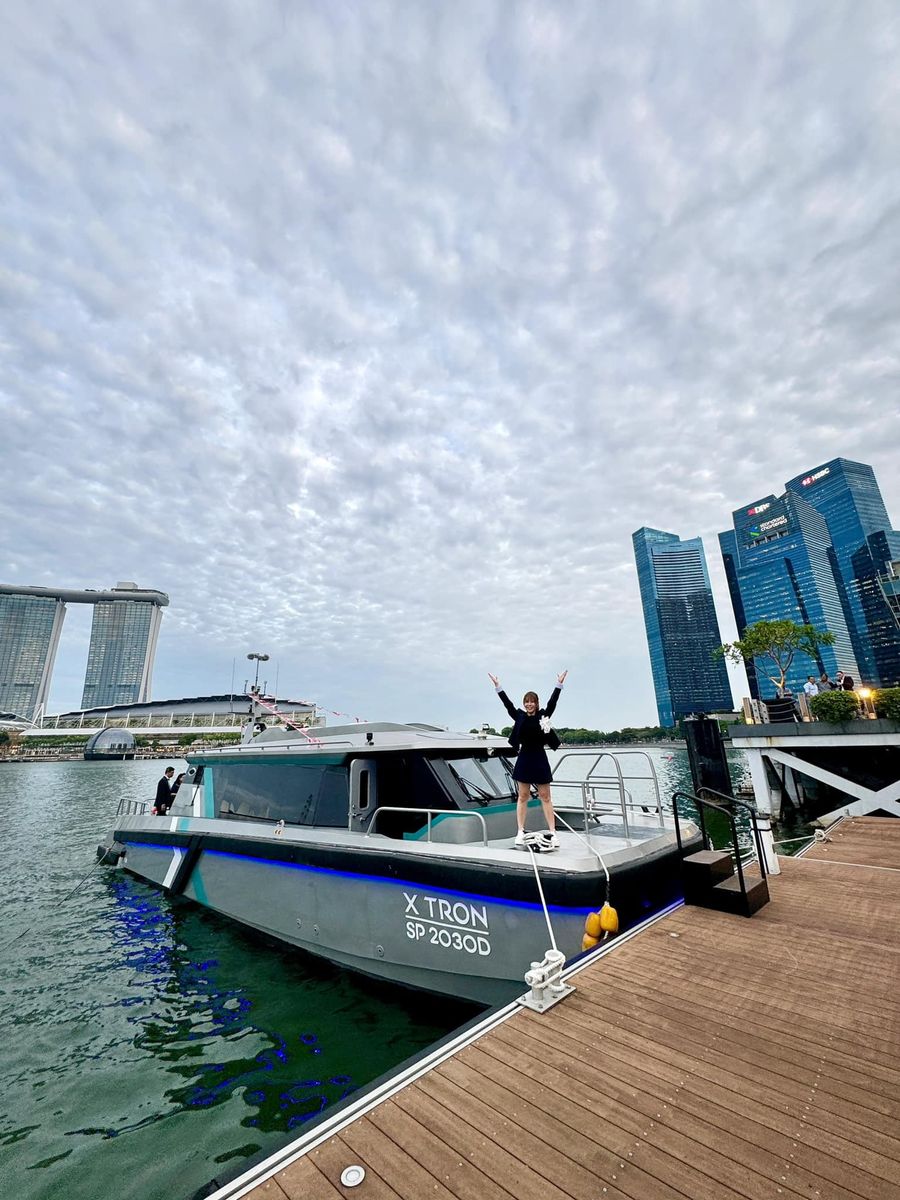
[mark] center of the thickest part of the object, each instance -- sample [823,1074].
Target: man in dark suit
[163,801]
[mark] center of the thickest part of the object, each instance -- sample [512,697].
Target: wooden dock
[711,1056]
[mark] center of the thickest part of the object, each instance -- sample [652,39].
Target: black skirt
[532,766]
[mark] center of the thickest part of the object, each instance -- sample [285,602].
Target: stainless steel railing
[133,808]
[622,801]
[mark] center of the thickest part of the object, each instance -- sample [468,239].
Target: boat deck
[709,1056]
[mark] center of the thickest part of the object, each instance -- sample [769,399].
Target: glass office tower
[682,628]
[30,627]
[779,566]
[122,649]
[863,545]
[889,582]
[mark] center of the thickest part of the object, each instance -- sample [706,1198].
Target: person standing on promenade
[811,687]
[531,732]
[163,801]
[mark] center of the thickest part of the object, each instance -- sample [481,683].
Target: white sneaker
[520,838]
[550,840]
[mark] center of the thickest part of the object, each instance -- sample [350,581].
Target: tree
[776,643]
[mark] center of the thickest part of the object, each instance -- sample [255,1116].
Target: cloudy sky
[370,332]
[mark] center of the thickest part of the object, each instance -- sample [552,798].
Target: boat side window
[334,798]
[316,793]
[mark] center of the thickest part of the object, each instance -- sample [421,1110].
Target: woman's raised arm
[504,699]
[551,703]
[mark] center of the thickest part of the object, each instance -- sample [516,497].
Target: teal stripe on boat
[422,834]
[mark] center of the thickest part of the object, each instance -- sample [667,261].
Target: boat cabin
[398,781]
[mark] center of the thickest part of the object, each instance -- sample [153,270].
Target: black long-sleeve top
[527,733]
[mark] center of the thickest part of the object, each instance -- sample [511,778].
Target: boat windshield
[484,780]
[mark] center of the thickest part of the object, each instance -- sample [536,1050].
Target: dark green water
[146,1046]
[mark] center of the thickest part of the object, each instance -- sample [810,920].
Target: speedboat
[390,849]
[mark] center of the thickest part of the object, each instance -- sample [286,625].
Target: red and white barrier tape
[271,708]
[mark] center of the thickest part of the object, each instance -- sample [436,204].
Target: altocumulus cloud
[370,332]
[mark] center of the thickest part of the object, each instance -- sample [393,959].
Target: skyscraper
[681,624]
[123,645]
[779,566]
[889,582]
[863,545]
[120,659]
[30,626]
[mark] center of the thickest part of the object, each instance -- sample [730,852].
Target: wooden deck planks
[705,1022]
[711,1058]
[417,1141]
[632,1080]
[691,1122]
[872,841]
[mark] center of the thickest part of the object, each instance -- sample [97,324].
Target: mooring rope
[593,849]
[818,836]
[537,877]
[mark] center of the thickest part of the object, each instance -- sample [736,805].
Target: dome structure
[110,743]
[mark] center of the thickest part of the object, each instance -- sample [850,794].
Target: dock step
[700,872]
[728,897]
[710,882]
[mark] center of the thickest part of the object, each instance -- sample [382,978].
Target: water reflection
[224,1033]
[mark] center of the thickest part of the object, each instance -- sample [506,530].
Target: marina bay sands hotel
[120,658]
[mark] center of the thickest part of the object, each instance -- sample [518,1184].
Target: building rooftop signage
[757,509]
[764,531]
[816,475]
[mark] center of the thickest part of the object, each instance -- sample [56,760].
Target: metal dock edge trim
[369,1099]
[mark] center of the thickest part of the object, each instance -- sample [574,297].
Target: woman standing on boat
[531,732]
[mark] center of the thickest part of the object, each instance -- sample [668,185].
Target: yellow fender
[588,942]
[609,919]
